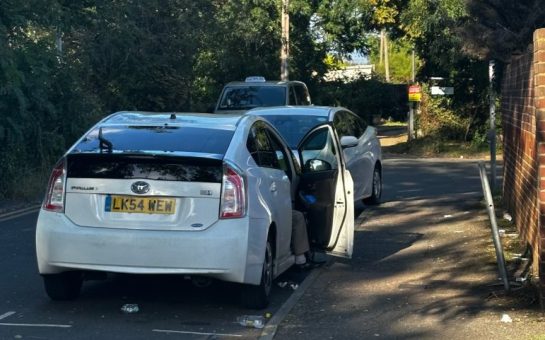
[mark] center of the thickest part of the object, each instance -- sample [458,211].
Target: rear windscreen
[115,166]
[159,138]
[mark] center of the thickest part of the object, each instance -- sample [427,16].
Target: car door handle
[273,187]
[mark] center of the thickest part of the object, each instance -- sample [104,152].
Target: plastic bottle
[255,321]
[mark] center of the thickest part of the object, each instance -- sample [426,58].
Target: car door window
[292,100]
[318,152]
[342,124]
[348,124]
[362,124]
[354,123]
[302,95]
[260,147]
[280,153]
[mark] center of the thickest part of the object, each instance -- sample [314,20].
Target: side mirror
[348,141]
[313,165]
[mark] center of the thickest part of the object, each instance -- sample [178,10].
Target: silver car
[199,195]
[360,144]
[238,97]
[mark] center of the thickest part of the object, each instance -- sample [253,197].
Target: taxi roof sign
[255,79]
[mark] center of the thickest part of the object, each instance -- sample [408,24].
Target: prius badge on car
[140,187]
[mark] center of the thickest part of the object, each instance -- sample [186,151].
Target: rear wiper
[104,143]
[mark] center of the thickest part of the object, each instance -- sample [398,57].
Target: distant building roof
[350,73]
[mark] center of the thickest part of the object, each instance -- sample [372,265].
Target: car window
[159,138]
[356,128]
[294,127]
[292,100]
[301,92]
[244,98]
[318,152]
[280,153]
[362,124]
[343,124]
[348,124]
[260,147]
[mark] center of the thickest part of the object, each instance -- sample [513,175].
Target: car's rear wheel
[63,286]
[376,190]
[257,297]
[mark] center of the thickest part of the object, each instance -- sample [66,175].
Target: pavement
[423,267]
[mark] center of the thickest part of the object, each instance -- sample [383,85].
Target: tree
[400,52]
[497,28]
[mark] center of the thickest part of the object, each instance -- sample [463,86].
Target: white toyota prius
[199,195]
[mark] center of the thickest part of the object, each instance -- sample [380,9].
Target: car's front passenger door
[326,192]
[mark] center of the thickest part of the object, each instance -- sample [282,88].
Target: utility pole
[411,134]
[285,49]
[413,67]
[386,60]
[381,48]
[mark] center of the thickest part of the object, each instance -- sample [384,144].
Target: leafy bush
[438,119]
[365,97]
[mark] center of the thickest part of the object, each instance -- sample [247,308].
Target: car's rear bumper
[221,251]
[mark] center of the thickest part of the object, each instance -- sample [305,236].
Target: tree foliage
[497,28]
[176,55]
[149,55]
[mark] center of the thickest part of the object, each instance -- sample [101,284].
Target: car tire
[64,286]
[257,297]
[376,190]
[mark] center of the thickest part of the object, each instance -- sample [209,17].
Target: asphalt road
[170,306]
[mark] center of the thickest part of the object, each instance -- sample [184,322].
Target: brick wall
[523,117]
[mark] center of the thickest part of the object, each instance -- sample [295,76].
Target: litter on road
[130,308]
[252,321]
[505,318]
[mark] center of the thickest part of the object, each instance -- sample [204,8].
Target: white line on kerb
[34,325]
[5,315]
[195,333]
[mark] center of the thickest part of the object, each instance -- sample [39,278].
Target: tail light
[233,194]
[54,197]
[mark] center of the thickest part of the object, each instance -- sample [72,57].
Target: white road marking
[34,325]
[5,315]
[18,213]
[195,333]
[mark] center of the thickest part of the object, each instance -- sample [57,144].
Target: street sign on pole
[415,93]
[415,96]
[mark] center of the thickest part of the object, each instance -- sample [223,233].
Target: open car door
[326,192]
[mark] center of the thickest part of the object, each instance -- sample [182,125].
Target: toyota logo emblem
[140,187]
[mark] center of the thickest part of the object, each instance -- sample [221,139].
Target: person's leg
[299,239]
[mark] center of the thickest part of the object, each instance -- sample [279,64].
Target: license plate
[141,205]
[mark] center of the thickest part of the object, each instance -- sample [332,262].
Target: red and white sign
[415,93]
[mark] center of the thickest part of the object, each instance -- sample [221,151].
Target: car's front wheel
[63,286]
[376,190]
[257,297]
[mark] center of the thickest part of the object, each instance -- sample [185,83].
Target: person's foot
[308,265]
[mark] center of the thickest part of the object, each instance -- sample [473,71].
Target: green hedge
[365,97]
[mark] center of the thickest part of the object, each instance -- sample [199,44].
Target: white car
[361,146]
[199,195]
